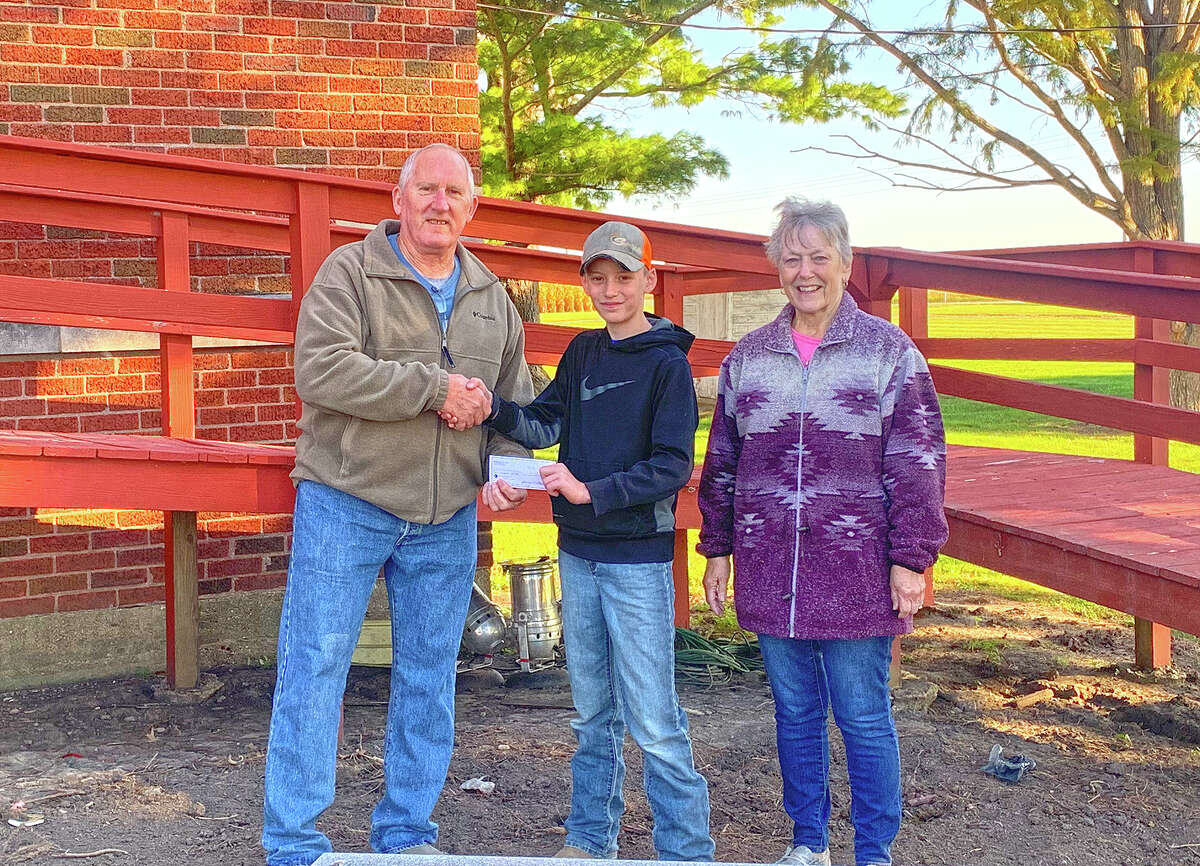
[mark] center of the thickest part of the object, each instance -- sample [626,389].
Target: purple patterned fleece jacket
[818,478]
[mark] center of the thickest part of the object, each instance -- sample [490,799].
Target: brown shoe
[570,852]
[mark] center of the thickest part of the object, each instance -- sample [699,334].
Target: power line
[815,31]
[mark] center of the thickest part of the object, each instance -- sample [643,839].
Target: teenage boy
[623,408]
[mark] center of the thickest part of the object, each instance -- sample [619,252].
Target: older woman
[824,479]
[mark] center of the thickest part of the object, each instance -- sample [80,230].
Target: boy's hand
[560,482]
[716,583]
[468,402]
[499,495]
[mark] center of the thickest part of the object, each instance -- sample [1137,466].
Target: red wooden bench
[177,476]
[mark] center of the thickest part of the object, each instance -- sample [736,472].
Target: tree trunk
[1185,387]
[1157,206]
[524,294]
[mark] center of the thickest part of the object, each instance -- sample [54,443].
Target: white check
[520,472]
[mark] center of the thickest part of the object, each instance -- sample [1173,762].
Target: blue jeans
[806,677]
[339,544]
[620,637]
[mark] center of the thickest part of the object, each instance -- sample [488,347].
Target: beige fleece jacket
[372,373]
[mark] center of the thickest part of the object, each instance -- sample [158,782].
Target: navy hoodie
[625,414]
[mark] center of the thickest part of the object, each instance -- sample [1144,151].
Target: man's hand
[468,402]
[499,495]
[908,590]
[716,583]
[560,482]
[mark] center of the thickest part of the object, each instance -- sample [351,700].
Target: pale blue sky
[764,167]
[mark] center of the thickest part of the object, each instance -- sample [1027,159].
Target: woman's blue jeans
[618,625]
[339,544]
[807,677]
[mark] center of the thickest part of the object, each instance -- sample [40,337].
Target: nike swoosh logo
[586,393]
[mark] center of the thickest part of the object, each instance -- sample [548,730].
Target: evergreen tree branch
[667,28]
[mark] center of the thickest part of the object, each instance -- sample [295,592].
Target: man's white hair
[410,165]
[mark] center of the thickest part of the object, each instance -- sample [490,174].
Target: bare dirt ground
[130,773]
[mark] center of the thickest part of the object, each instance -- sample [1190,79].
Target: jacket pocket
[346,449]
[476,338]
[634,521]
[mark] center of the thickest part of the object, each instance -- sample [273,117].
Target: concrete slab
[21,339]
[236,628]
[336,859]
[96,340]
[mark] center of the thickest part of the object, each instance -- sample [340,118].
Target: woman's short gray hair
[410,165]
[796,213]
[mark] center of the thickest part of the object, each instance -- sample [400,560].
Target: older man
[391,331]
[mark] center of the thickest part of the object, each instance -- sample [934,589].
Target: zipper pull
[446,350]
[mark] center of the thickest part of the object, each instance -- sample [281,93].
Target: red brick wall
[348,87]
[59,560]
[340,87]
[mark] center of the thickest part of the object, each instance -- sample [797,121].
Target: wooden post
[1151,644]
[679,569]
[183,599]
[181,583]
[879,307]
[310,244]
[1151,641]
[310,241]
[894,667]
[875,283]
[914,321]
[914,312]
[668,300]
[1152,384]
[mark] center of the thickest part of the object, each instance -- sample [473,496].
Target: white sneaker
[802,855]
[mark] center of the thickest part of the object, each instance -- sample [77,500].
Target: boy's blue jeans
[620,637]
[807,676]
[339,544]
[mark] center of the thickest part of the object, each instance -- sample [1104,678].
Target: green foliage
[557,85]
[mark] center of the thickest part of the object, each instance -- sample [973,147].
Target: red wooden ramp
[1122,534]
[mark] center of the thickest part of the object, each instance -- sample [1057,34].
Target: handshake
[468,402]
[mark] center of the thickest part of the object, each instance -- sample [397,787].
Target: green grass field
[967,423]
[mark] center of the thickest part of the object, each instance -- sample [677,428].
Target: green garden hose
[699,660]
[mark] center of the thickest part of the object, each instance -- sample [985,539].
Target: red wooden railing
[180,200]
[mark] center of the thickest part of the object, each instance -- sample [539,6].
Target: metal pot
[536,610]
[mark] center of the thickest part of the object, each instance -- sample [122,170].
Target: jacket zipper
[799,506]
[437,436]
[448,360]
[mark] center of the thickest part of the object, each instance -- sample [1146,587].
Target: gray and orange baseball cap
[626,245]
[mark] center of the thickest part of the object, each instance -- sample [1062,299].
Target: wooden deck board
[1009,509]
